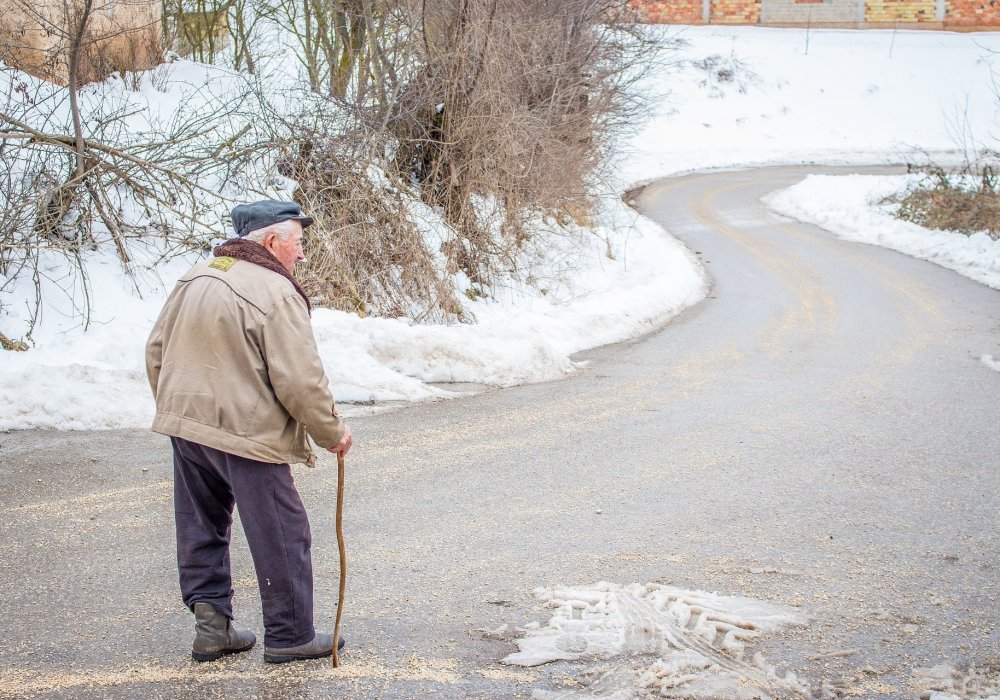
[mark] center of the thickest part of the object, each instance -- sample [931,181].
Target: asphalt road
[819,432]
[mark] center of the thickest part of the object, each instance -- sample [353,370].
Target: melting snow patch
[946,682]
[991,362]
[700,641]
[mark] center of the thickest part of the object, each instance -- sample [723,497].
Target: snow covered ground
[733,97]
[741,96]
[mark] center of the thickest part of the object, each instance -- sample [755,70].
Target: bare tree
[136,187]
[367,253]
[244,18]
[342,43]
[81,52]
[200,27]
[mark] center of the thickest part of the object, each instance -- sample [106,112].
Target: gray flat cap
[250,217]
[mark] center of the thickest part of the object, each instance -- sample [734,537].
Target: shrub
[511,112]
[965,202]
[365,254]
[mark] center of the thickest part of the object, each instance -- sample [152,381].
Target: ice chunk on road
[699,640]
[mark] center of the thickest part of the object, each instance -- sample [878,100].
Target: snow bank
[848,205]
[76,380]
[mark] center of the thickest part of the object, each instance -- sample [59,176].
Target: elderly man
[238,384]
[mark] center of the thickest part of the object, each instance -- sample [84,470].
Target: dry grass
[953,202]
[364,254]
[14,345]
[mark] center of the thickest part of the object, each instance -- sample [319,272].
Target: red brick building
[962,15]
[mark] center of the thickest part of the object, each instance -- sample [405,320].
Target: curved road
[819,432]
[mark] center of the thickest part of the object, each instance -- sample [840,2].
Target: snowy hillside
[733,97]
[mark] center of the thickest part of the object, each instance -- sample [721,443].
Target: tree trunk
[77,35]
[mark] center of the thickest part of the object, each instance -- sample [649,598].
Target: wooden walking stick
[343,558]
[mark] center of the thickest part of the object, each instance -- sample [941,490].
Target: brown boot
[215,634]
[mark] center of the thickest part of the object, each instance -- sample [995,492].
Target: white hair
[282,229]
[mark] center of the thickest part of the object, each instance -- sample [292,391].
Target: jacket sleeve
[296,372]
[154,353]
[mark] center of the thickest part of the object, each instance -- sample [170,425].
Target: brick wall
[972,13]
[676,12]
[914,11]
[812,12]
[959,14]
[735,11]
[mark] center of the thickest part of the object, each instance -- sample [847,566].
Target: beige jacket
[233,365]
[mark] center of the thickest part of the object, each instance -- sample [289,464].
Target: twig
[68,143]
[834,654]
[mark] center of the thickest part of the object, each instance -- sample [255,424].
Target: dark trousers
[207,484]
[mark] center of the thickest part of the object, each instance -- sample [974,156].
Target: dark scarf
[255,253]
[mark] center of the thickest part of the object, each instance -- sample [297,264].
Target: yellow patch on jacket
[223,263]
